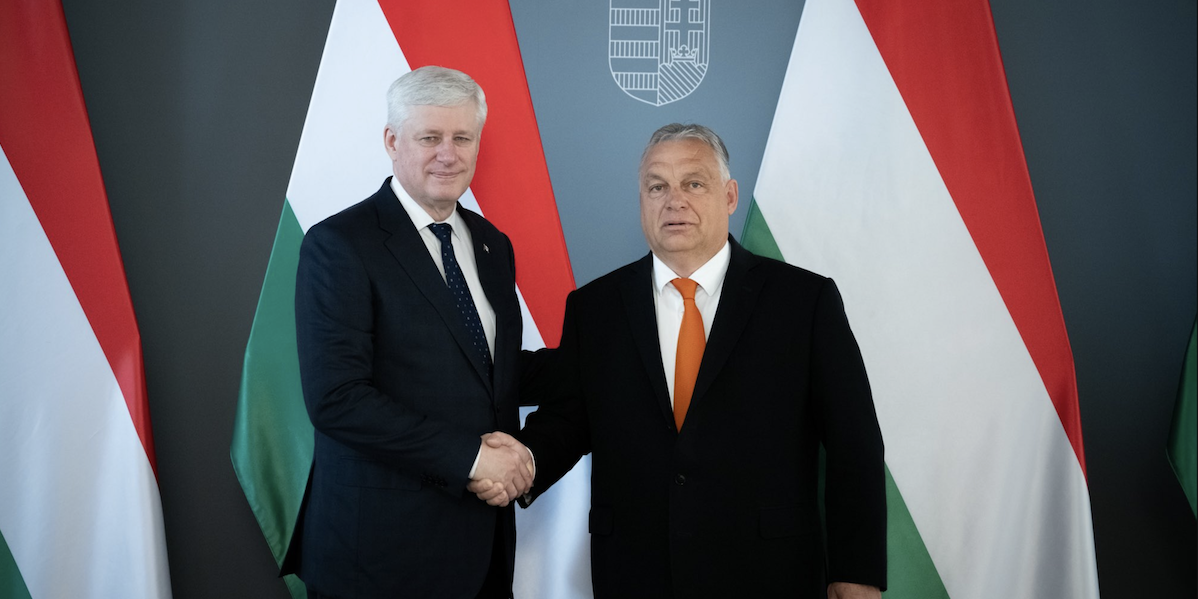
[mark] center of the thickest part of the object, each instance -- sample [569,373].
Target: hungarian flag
[1183,435]
[894,165]
[341,161]
[80,514]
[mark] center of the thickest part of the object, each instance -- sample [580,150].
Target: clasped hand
[505,470]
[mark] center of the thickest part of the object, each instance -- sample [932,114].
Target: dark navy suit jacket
[399,398]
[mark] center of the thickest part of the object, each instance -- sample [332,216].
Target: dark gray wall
[197,107]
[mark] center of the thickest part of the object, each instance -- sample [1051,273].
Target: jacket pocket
[355,472]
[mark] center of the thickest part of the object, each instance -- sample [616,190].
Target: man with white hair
[408,331]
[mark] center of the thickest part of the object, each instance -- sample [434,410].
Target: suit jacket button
[679,480]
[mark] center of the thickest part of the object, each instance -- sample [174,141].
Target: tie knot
[686,287]
[442,231]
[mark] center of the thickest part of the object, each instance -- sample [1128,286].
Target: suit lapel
[739,295]
[496,281]
[487,258]
[409,250]
[637,292]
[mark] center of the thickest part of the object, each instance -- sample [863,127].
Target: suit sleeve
[534,382]
[855,492]
[335,339]
[558,433]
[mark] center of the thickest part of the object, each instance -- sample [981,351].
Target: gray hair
[680,132]
[432,86]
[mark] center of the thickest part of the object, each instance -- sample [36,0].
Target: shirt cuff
[478,455]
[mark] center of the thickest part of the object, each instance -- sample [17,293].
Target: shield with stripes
[657,50]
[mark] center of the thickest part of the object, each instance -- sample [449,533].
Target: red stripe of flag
[46,135]
[945,60]
[512,181]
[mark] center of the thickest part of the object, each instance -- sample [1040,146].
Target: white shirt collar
[710,276]
[420,217]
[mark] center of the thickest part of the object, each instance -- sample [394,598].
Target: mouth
[672,225]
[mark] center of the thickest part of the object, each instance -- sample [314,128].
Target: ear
[391,142]
[732,191]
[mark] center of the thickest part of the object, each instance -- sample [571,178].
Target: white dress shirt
[668,303]
[463,251]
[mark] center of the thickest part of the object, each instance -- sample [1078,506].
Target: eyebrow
[443,132]
[688,174]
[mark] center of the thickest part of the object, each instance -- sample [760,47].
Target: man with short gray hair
[704,379]
[408,331]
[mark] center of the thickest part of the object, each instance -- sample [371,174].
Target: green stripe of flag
[272,435]
[910,572]
[757,237]
[1183,437]
[12,585]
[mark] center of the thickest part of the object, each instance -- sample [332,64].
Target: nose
[446,151]
[675,200]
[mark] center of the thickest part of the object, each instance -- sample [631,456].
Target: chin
[448,195]
[678,242]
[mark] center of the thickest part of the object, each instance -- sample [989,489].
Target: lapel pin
[486,249]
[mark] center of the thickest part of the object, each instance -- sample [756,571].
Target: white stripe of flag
[79,503]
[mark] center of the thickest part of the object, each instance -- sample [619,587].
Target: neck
[437,211]
[683,266]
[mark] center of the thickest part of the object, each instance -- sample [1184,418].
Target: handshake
[505,470]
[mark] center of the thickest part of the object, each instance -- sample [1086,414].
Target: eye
[695,184]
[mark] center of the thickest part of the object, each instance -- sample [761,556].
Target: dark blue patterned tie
[461,293]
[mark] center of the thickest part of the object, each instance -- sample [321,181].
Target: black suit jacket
[398,398]
[728,507]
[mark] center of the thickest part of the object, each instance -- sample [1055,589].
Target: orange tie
[691,342]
